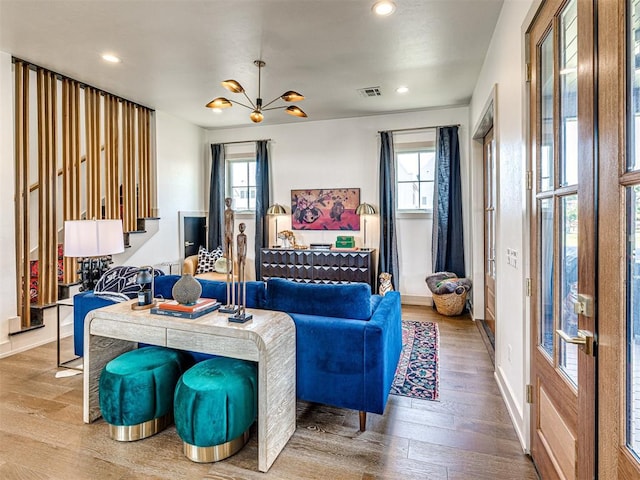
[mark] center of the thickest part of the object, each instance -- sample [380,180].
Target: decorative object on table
[186,290]
[345,241]
[229,219]
[144,279]
[417,371]
[198,305]
[320,246]
[276,210]
[241,315]
[92,242]
[289,240]
[364,210]
[325,209]
[385,284]
[256,115]
[187,311]
[207,259]
[118,284]
[449,292]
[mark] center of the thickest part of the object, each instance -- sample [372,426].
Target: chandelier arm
[275,99]
[274,108]
[253,107]
[242,104]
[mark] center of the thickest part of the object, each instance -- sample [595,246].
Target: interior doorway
[490,197]
[193,233]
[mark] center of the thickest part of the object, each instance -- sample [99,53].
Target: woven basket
[450,304]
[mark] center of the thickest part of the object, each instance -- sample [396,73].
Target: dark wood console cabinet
[318,266]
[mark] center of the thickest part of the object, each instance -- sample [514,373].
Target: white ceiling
[175,52]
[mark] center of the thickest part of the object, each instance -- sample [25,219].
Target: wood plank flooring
[467,434]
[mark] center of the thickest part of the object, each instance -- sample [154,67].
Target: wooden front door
[619,239]
[489,160]
[563,239]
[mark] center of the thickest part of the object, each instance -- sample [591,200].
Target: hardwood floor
[467,434]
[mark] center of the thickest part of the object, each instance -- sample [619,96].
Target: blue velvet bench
[136,391]
[215,404]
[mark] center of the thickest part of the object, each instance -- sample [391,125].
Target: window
[415,178]
[241,183]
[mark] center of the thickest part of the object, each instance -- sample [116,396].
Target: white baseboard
[515,412]
[417,300]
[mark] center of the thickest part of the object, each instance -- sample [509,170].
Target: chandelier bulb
[256,116]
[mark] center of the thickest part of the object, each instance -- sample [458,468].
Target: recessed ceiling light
[402,89]
[107,57]
[384,8]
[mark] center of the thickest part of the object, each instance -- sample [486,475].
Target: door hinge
[527,287]
[529,393]
[529,179]
[527,72]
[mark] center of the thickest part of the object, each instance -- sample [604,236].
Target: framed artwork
[325,209]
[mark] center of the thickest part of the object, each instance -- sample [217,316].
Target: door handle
[189,244]
[585,340]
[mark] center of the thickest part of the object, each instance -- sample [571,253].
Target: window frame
[236,158]
[414,147]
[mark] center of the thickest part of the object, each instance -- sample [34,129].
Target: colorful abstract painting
[325,209]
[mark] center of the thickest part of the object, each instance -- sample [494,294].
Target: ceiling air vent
[370,92]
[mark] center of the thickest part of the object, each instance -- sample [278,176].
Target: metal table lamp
[145,279]
[365,209]
[276,210]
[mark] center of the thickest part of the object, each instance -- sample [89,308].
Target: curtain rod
[419,128]
[244,141]
[82,84]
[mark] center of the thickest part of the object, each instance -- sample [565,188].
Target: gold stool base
[217,452]
[130,433]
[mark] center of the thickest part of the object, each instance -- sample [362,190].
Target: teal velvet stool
[136,391]
[215,404]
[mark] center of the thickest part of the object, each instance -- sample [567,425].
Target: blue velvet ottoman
[136,391]
[215,404]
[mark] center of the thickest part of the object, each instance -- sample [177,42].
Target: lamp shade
[276,209]
[365,209]
[92,238]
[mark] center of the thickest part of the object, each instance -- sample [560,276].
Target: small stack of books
[172,308]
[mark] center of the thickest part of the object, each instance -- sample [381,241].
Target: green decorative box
[344,241]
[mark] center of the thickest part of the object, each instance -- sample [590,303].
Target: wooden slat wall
[21,72]
[128,168]
[92,133]
[144,164]
[129,214]
[47,193]
[71,163]
[111,167]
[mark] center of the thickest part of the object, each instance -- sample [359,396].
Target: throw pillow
[207,260]
[222,265]
[119,283]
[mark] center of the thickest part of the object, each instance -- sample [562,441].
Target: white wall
[180,154]
[504,67]
[345,153]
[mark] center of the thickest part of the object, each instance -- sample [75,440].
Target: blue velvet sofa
[348,341]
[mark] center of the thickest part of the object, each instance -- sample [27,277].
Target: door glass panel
[633,68]
[568,353]
[569,94]
[546,113]
[633,319]
[546,275]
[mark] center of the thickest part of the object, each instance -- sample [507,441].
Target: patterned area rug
[417,372]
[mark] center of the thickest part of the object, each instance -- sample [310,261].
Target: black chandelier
[257,108]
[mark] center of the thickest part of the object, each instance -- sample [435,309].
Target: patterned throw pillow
[207,260]
[119,283]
